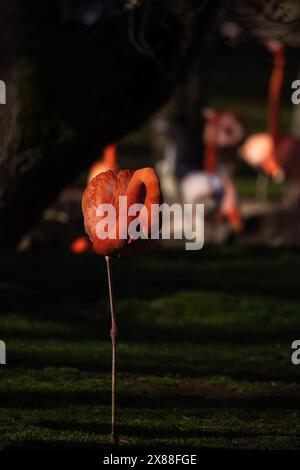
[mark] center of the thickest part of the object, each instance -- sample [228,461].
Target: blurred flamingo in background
[141,186]
[218,195]
[286,149]
[80,245]
[277,155]
[230,208]
[109,161]
[216,192]
[223,134]
[210,137]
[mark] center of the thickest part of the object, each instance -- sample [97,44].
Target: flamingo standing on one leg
[142,187]
[277,155]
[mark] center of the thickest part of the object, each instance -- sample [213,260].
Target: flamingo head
[235,219]
[230,207]
[231,131]
[274,46]
[80,245]
[108,223]
[224,130]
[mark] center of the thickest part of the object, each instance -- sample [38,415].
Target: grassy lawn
[203,357]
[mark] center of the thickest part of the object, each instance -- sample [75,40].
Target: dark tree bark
[72,88]
[188,102]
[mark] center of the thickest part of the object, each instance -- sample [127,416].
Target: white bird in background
[218,195]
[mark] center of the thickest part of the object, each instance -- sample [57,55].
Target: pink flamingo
[276,154]
[141,186]
[217,193]
[223,133]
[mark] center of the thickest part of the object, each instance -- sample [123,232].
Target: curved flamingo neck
[210,151]
[275,88]
[144,188]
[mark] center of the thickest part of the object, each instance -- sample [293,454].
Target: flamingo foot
[114,439]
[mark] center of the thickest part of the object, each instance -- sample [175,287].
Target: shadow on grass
[143,432]
[250,270]
[197,335]
[32,400]
[100,448]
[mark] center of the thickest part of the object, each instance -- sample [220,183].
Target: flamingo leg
[262,187]
[113,335]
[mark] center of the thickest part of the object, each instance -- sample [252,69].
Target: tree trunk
[72,89]
[189,100]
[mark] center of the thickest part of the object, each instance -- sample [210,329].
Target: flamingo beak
[241,151]
[271,168]
[235,219]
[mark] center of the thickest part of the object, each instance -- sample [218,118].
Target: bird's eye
[228,130]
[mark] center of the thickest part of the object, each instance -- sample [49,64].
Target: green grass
[247,187]
[203,357]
